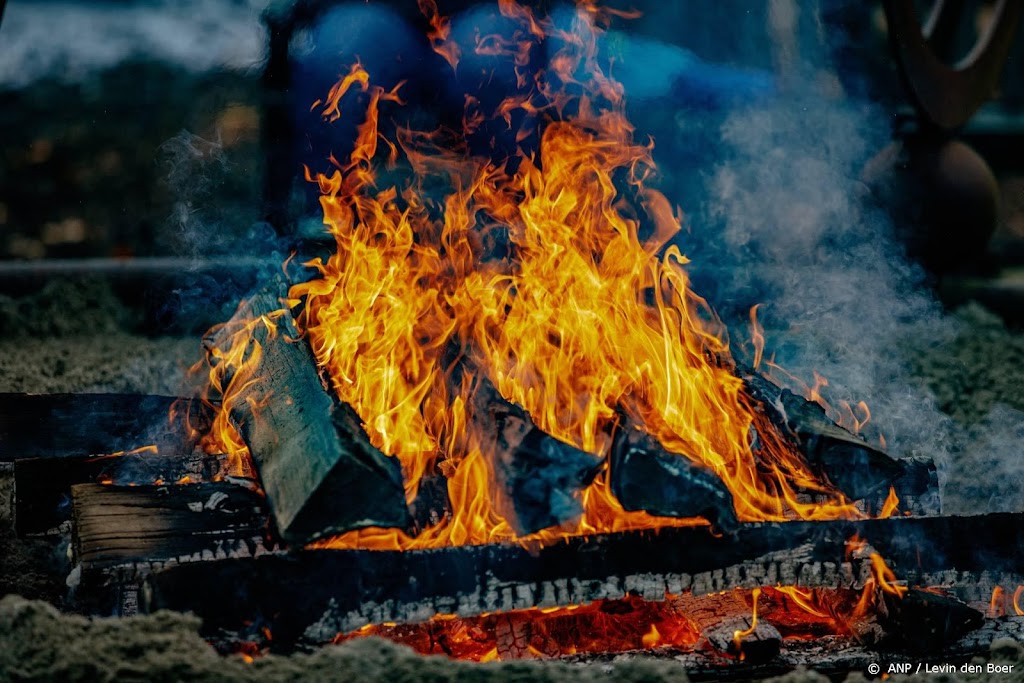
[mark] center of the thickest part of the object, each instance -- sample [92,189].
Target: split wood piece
[541,476]
[122,533]
[720,617]
[923,621]
[918,621]
[645,476]
[321,474]
[42,486]
[851,464]
[432,503]
[312,596]
[69,425]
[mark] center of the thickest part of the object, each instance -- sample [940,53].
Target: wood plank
[312,596]
[321,474]
[122,533]
[42,486]
[70,425]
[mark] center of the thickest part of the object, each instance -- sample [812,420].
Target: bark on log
[122,533]
[540,475]
[312,596]
[42,486]
[321,474]
[644,476]
[68,425]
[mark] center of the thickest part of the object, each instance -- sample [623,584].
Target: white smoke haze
[784,220]
[70,41]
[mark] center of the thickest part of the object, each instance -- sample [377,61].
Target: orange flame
[550,275]
[997,605]
[738,636]
[892,501]
[1016,601]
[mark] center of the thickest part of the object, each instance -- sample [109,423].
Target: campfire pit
[497,423]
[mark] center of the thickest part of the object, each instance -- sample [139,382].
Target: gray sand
[37,643]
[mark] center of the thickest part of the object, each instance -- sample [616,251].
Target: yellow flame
[738,636]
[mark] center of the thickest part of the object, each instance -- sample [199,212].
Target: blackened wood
[42,486]
[321,474]
[122,533]
[60,425]
[541,475]
[922,621]
[125,524]
[847,461]
[314,595]
[432,503]
[718,618]
[644,476]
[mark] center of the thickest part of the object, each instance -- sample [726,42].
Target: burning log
[321,474]
[541,475]
[726,623]
[42,486]
[644,476]
[67,425]
[312,596]
[851,464]
[122,533]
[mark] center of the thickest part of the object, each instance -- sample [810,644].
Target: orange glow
[652,638]
[1016,601]
[997,605]
[738,636]
[892,501]
[804,598]
[602,626]
[885,577]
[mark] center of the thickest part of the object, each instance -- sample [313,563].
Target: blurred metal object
[945,95]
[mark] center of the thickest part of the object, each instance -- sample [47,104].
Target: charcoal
[541,475]
[645,476]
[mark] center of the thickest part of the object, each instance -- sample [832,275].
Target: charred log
[720,617]
[541,475]
[852,465]
[923,621]
[42,486]
[122,533]
[312,596]
[644,476]
[321,474]
[68,425]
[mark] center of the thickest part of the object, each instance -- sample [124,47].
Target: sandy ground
[38,643]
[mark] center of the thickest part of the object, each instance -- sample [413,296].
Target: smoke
[778,216]
[787,223]
[70,41]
